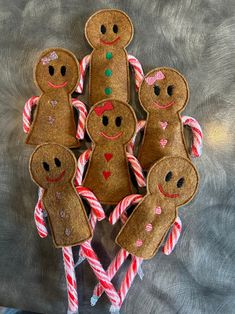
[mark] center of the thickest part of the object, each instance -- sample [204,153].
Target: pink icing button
[158,210]
[163,142]
[163,124]
[51,120]
[149,227]
[139,243]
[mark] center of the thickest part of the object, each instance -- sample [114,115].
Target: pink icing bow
[152,79]
[50,57]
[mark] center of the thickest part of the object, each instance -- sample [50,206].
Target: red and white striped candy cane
[30,103]
[100,273]
[38,216]
[131,145]
[123,205]
[138,172]
[173,237]
[83,67]
[139,74]
[70,279]
[79,105]
[197,135]
[82,161]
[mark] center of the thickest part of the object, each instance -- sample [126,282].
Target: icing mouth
[168,105]
[167,194]
[110,42]
[111,138]
[57,179]
[57,86]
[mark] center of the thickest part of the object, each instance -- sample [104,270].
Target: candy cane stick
[138,172]
[27,112]
[38,216]
[83,67]
[79,105]
[173,237]
[82,161]
[140,125]
[70,279]
[197,135]
[139,74]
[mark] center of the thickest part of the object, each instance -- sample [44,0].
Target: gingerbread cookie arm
[140,125]
[123,205]
[31,102]
[83,68]
[197,135]
[80,106]
[38,216]
[173,237]
[82,161]
[137,67]
[138,172]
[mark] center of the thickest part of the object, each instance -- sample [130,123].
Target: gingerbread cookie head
[57,69]
[163,90]
[111,121]
[109,28]
[175,179]
[52,164]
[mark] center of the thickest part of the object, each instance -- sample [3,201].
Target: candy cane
[27,112]
[197,135]
[136,169]
[139,74]
[83,67]
[140,125]
[122,206]
[38,216]
[70,279]
[82,161]
[173,237]
[79,105]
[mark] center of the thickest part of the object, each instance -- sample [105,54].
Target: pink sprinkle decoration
[163,124]
[163,142]
[148,227]
[139,243]
[158,210]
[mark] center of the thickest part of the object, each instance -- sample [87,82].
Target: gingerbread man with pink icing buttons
[164,94]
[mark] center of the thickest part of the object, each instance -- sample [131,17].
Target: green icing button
[108,90]
[109,55]
[108,72]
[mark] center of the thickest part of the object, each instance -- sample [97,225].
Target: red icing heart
[108,156]
[106,174]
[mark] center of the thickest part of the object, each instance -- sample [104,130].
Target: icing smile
[167,194]
[57,86]
[158,105]
[110,42]
[111,138]
[57,179]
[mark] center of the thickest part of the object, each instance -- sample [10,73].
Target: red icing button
[106,174]
[108,156]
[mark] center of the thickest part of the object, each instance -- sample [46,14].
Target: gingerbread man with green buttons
[109,32]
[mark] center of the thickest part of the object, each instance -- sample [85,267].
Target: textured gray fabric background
[197,38]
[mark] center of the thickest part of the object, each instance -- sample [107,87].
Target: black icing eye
[51,70]
[46,166]
[115,28]
[63,70]
[57,162]
[105,120]
[180,182]
[157,90]
[118,121]
[103,29]
[168,176]
[170,89]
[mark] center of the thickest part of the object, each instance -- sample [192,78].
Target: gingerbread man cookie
[171,182]
[163,94]
[52,168]
[109,32]
[56,74]
[111,125]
